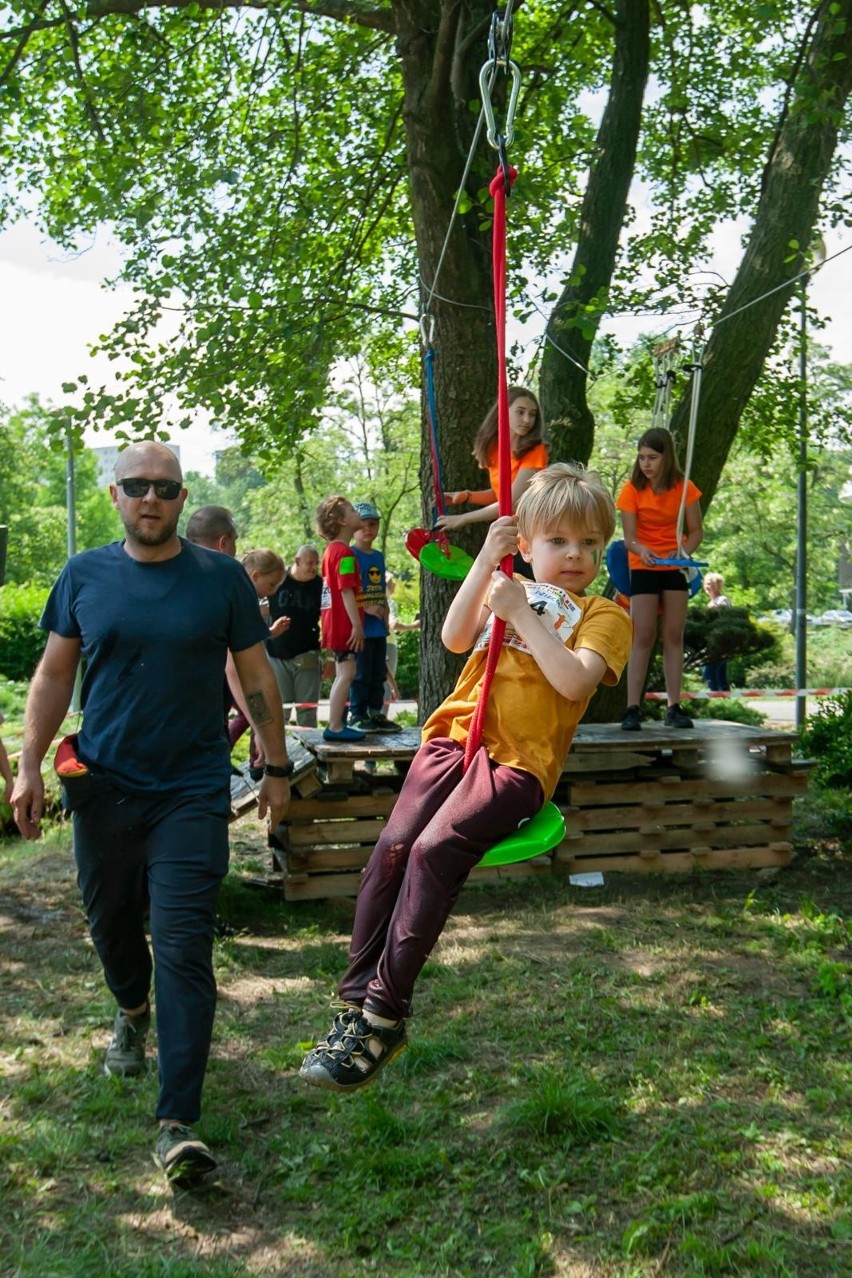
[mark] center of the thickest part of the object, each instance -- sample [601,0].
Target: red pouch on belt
[66,761]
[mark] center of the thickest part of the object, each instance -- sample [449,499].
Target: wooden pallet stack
[659,800]
[720,797]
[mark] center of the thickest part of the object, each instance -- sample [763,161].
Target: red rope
[499,192]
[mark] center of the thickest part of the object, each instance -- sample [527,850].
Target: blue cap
[367,510]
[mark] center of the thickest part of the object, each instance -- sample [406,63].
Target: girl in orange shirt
[650,505]
[529,454]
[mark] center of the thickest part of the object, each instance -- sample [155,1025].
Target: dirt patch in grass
[651,1077]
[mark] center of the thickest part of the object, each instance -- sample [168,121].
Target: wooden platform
[660,800]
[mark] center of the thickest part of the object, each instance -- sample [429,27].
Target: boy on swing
[559,645]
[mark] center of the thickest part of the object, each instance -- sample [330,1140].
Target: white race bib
[554,607]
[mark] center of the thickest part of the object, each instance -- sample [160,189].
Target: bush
[408,668]
[730,708]
[724,634]
[827,738]
[21,640]
[829,662]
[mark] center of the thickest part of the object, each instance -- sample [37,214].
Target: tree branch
[24,33]
[354,11]
[74,45]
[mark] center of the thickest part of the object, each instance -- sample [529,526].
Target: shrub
[722,634]
[408,668]
[827,738]
[21,640]
[730,708]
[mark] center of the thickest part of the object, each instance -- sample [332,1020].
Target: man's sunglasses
[166,489]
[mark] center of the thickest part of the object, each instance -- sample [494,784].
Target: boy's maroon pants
[443,822]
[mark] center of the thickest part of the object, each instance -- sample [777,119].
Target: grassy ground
[647,1079]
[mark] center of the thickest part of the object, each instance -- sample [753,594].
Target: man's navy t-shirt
[154,638]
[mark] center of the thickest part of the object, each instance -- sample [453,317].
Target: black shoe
[126,1053]
[383,723]
[677,718]
[632,721]
[353,1054]
[182,1156]
[362,723]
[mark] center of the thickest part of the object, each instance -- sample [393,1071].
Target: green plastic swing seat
[542,833]
[455,566]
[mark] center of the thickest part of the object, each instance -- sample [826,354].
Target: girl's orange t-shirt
[535,459]
[656,517]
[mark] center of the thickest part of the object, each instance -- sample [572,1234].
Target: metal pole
[802,520]
[71,535]
[70,495]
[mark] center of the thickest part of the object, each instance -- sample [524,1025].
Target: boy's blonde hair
[328,517]
[566,490]
[714,579]
[263,560]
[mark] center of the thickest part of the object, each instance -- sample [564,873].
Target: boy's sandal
[353,1054]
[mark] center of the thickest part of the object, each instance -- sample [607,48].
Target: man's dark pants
[167,853]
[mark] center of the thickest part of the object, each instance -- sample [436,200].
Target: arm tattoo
[258,709]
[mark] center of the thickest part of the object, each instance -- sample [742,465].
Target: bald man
[147,777]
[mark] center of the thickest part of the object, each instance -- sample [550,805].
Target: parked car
[837,617]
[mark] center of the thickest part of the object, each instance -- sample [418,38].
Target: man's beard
[155,536]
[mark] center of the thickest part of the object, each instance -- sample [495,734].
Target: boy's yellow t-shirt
[528,725]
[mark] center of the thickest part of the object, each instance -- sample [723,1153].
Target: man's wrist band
[276,770]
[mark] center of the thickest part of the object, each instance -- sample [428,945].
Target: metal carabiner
[500,35]
[427,329]
[485,86]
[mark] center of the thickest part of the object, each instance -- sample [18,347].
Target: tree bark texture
[441,45]
[787,212]
[569,424]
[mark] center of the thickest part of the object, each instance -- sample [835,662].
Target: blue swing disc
[542,833]
[680,561]
[454,566]
[617,567]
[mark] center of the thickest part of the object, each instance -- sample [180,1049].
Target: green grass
[649,1078]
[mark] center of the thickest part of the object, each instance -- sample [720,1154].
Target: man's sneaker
[352,1056]
[342,734]
[181,1155]
[126,1052]
[677,718]
[632,721]
[363,723]
[383,723]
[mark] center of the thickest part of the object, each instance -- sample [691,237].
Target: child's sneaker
[363,724]
[382,723]
[353,1054]
[343,734]
[677,718]
[632,721]
[125,1055]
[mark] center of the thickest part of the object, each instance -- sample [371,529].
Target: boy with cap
[367,697]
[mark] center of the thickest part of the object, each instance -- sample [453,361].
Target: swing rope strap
[665,364]
[501,185]
[696,368]
[432,414]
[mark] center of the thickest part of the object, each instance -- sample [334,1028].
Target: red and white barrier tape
[765,694]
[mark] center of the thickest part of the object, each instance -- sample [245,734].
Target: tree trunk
[439,83]
[786,215]
[574,321]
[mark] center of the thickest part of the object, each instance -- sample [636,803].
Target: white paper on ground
[594,878]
